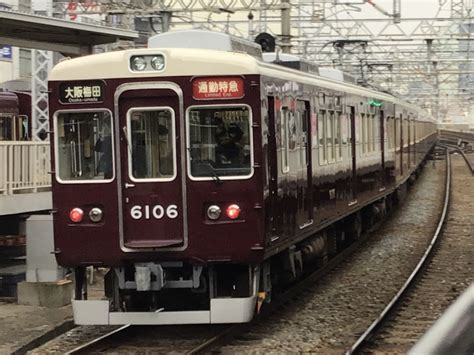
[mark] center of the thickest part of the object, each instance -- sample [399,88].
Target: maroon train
[15,114]
[206,178]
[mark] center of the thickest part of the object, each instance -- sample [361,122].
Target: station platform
[23,328]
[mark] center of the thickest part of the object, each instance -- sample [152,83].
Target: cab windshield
[219,141]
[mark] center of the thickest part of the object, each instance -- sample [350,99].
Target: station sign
[82,92]
[218,88]
[6,53]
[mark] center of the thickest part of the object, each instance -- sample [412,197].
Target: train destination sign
[81,92]
[218,88]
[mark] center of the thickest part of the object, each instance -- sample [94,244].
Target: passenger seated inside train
[229,148]
[104,146]
[219,141]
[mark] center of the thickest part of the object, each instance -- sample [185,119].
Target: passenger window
[370,132]
[338,140]
[364,133]
[285,140]
[6,128]
[322,137]
[330,136]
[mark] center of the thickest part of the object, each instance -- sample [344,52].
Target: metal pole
[285,26]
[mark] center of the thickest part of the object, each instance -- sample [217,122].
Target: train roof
[199,62]
[8,103]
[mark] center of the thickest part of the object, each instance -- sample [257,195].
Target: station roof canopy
[64,36]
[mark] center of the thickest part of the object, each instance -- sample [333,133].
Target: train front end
[156,178]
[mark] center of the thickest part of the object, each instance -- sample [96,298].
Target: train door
[401,143]
[149,169]
[409,149]
[305,200]
[273,217]
[353,154]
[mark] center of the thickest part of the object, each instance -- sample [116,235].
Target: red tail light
[76,215]
[233,211]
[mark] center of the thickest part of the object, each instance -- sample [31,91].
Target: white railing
[24,167]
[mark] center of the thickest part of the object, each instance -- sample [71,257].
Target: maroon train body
[15,116]
[206,178]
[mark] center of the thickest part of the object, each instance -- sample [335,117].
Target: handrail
[24,167]
[452,333]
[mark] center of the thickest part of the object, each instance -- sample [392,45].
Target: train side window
[364,133]
[330,136]
[84,146]
[6,128]
[374,135]
[390,137]
[398,123]
[151,136]
[285,144]
[338,138]
[370,132]
[322,136]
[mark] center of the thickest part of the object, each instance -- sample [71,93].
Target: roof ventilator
[204,40]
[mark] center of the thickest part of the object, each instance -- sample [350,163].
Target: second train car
[205,177]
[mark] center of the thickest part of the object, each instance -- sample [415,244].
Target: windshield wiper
[214,174]
[125,133]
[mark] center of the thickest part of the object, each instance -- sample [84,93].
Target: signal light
[76,215]
[233,211]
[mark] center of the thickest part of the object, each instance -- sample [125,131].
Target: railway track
[247,337]
[445,270]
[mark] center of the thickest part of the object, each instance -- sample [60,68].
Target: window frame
[322,147]
[188,143]
[56,147]
[129,141]
[285,131]
[338,126]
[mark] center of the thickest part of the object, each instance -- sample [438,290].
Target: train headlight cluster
[158,62]
[141,63]
[95,214]
[138,63]
[232,212]
[76,215]
[214,212]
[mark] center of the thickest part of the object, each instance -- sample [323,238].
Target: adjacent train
[15,113]
[206,177]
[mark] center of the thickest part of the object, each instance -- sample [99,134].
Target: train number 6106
[157,212]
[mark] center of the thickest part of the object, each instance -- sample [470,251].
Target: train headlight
[214,212]
[96,214]
[138,63]
[158,62]
[233,211]
[76,215]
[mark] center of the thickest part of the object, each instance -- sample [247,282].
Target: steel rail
[361,341]
[92,343]
[454,148]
